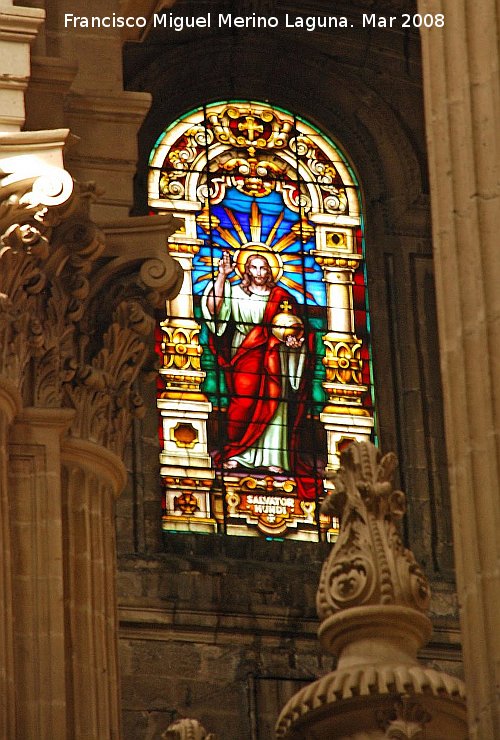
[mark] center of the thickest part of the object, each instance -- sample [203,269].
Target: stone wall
[218,628]
[224,630]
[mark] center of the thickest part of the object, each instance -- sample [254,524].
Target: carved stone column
[10,403]
[38,587]
[462,97]
[371,600]
[30,196]
[91,479]
[102,395]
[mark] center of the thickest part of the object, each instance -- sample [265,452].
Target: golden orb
[286,324]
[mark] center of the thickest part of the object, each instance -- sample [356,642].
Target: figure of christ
[262,372]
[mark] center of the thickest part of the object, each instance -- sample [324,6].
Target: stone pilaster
[91,479]
[65,90]
[462,97]
[37,572]
[10,403]
[45,98]
[107,125]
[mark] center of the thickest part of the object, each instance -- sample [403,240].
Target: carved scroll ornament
[369,564]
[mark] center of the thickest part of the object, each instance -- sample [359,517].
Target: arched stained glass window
[266,353]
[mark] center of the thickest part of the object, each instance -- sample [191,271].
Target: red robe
[254,381]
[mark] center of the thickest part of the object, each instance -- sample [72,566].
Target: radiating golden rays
[240,243]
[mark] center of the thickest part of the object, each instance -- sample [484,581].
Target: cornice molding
[54,73]
[122,106]
[20,24]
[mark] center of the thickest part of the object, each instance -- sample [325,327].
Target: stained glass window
[266,370]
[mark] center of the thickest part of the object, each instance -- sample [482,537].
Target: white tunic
[271,448]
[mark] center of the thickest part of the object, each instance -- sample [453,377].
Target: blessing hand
[225,265]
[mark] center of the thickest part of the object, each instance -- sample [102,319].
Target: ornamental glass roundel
[266,372]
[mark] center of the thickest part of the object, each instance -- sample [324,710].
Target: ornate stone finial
[187,729]
[371,599]
[369,564]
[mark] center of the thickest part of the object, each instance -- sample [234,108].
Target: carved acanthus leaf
[369,564]
[30,207]
[102,389]
[54,347]
[20,281]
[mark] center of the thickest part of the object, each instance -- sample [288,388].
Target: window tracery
[266,371]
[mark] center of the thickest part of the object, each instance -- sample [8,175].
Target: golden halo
[250,248]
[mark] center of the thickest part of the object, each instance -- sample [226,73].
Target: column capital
[60,275]
[56,419]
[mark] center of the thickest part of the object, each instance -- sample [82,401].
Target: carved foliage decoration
[369,564]
[74,248]
[72,320]
[102,389]
[29,209]
[20,282]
